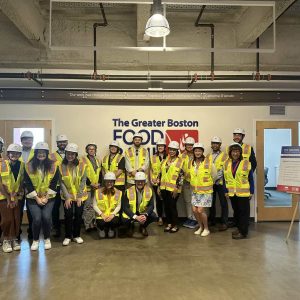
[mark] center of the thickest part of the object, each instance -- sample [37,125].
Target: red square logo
[180,136]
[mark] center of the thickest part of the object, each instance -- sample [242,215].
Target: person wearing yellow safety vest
[171,180]
[93,172]
[188,156]
[73,193]
[239,188]
[138,205]
[41,177]
[1,151]
[155,169]
[107,205]
[58,156]
[115,162]
[11,191]
[136,159]
[202,174]
[218,158]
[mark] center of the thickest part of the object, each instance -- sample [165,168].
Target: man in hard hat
[218,157]
[136,159]
[187,156]
[138,205]
[58,156]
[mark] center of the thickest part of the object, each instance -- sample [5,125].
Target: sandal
[168,228]
[174,229]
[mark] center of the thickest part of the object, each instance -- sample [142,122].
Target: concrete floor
[162,266]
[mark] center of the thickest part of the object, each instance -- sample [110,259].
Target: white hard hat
[61,138]
[26,134]
[139,135]
[198,145]
[110,176]
[91,144]
[216,139]
[1,140]
[41,146]
[161,142]
[174,145]
[114,143]
[14,148]
[72,148]
[239,131]
[140,176]
[235,145]
[189,140]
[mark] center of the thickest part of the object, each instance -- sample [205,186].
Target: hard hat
[139,135]
[239,131]
[26,134]
[161,142]
[189,140]
[114,143]
[41,146]
[72,148]
[140,176]
[174,145]
[198,145]
[91,144]
[235,145]
[1,140]
[216,139]
[110,176]
[14,148]
[61,138]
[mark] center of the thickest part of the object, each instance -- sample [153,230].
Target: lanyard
[233,170]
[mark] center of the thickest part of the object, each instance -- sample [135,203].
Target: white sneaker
[47,244]
[78,240]
[6,247]
[35,245]
[205,232]
[66,242]
[16,245]
[198,232]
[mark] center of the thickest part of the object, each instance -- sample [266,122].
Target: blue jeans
[41,218]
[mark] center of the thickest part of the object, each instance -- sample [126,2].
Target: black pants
[170,207]
[159,202]
[73,220]
[127,222]
[29,217]
[218,190]
[241,209]
[56,210]
[113,224]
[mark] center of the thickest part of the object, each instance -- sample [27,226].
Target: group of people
[119,191]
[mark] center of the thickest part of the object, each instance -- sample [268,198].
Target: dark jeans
[29,217]
[56,210]
[218,189]
[113,224]
[159,202]
[73,220]
[151,218]
[241,209]
[41,218]
[170,207]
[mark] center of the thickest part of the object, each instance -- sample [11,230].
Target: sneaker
[187,223]
[6,247]
[205,232]
[66,242]
[35,245]
[78,240]
[111,233]
[193,224]
[16,245]
[101,234]
[47,243]
[199,231]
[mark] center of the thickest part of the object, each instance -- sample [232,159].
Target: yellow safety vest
[91,174]
[56,158]
[186,160]
[219,162]
[40,185]
[13,186]
[201,179]
[114,167]
[170,176]
[73,184]
[30,157]
[130,153]
[155,166]
[246,151]
[238,185]
[108,204]
[131,194]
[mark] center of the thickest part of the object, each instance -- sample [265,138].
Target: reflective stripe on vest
[91,174]
[56,158]
[169,178]
[141,159]
[114,167]
[155,167]
[30,157]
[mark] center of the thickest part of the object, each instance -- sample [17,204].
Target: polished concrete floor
[163,266]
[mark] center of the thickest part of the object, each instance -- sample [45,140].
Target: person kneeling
[107,204]
[138,205]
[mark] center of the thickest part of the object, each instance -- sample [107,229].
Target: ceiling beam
[142,16]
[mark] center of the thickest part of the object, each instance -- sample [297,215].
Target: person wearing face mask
[171,180]
[107,205]
[155,169]
[239,188]
[136,159]
[57,157]
[74,193]
[41,177]
[93,172]
[11,191]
